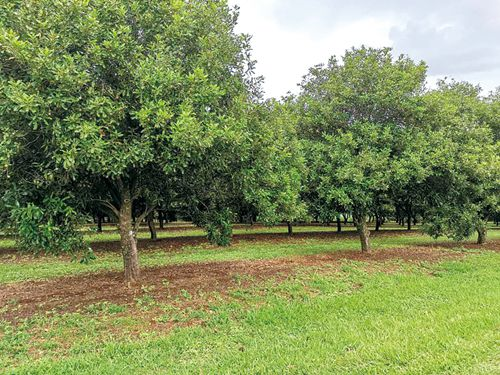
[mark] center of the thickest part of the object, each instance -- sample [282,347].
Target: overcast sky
[457,38]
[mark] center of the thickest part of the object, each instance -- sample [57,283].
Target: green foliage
[455,222]
[492,115]
[274,179]
[353,115]
[374,137]
[219,227]
[50,228]
[355,166]
[369,85]
[462,190]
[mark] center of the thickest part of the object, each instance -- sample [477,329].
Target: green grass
[47,267]
[424,319]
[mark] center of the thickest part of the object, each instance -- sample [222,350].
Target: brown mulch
[70,294]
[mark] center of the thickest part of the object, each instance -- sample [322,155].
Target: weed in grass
[186,295]
[146,301]
[106,308]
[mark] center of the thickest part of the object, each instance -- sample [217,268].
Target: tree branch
[110,206]
[140,219]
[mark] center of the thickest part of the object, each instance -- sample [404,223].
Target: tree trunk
[127,238]
[410,217]
[99,223]
[290,228]
[482,235]
[151,226]
[378,223]
[160,218]
[339,224]
[364,233]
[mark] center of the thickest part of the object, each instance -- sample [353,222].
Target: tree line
[132,109]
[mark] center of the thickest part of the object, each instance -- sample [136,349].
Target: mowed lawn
[330,314]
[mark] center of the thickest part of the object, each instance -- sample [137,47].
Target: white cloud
[455,37]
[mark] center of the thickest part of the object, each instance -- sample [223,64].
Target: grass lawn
[345,317]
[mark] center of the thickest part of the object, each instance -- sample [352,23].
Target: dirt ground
[164,284]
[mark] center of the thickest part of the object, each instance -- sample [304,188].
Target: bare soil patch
[70,294]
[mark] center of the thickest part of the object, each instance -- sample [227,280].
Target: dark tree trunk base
[378,223]
[161,219]
[152,228]
[364,234]
[482,237]
[128,240]
[99,223]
